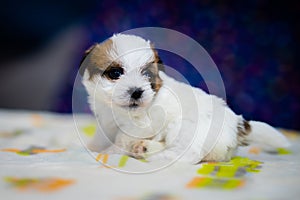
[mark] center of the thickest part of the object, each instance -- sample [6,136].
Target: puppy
[144,113]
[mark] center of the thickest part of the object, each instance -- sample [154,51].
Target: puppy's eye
[114,73]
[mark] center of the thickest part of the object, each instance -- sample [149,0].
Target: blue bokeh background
[253,43]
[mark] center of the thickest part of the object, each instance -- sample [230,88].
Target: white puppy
[146,114]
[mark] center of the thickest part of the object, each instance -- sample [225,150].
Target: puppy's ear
[86,53]
[160,64]
[157,59]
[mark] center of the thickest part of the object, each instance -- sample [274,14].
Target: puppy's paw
[139,149]
[145,148]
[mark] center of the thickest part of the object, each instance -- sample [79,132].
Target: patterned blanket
[43,156]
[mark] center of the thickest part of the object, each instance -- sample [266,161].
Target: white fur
[132,51]
[266,136]
[177,121]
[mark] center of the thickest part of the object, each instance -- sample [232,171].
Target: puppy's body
[144,113]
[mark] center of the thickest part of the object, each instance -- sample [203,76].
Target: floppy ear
[160,64]
[86,53]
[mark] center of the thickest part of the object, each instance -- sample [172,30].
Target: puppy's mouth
[133,105]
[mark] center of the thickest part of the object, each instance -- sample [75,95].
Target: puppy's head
[122,71]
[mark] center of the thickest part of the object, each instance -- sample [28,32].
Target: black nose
[136,93]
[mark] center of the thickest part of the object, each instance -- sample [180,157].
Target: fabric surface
[43,157]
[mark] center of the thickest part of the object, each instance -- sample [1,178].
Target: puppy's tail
[266,136]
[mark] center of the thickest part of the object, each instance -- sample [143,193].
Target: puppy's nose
[136,93]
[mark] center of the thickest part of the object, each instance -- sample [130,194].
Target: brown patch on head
[152,71]
[96,59]
[244,128]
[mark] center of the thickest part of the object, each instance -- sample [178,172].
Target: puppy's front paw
[145,148]
[139,149]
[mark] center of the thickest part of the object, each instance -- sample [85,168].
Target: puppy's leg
[119,146]
[100,142]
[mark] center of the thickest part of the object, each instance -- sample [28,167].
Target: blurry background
[254,44]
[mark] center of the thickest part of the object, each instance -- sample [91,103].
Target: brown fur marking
[156,66]
[96,59]
[244,128]
[247,126]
